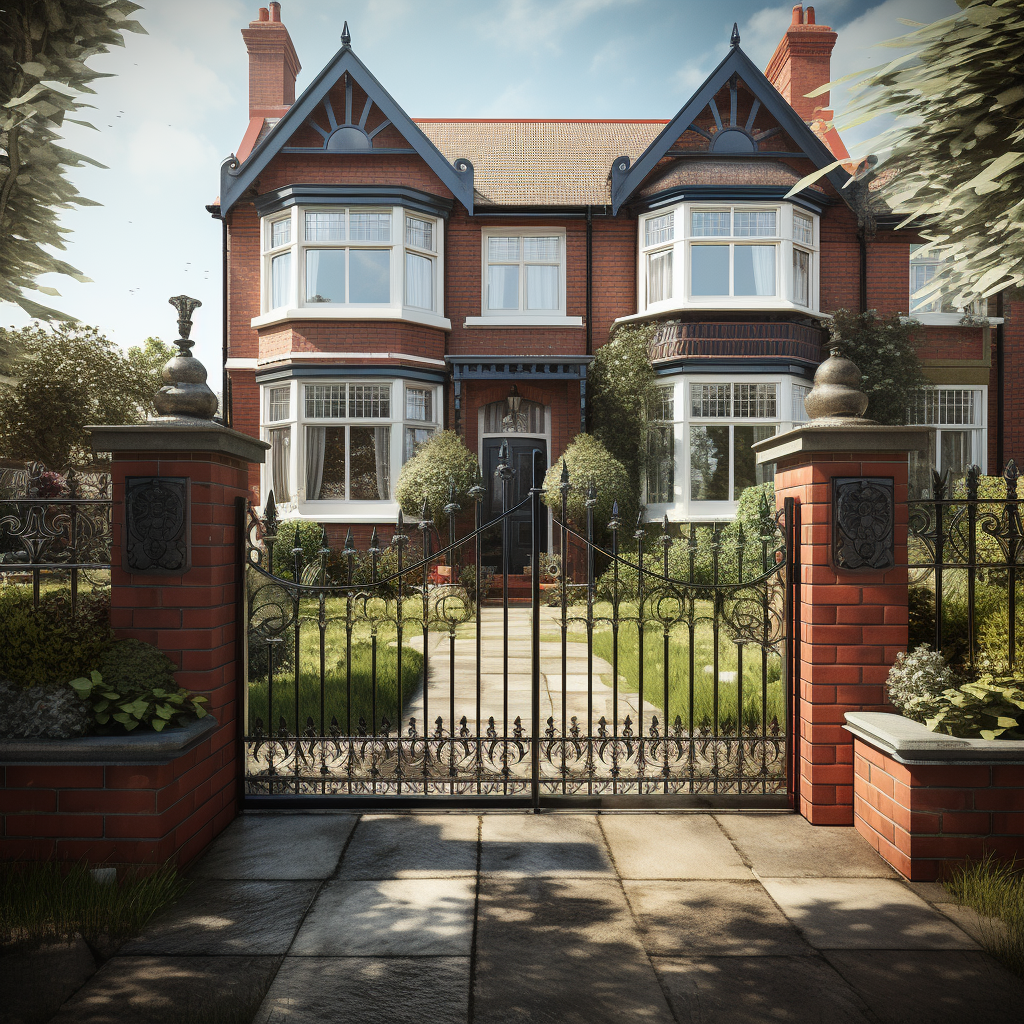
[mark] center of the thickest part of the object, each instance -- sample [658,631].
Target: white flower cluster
[919,673]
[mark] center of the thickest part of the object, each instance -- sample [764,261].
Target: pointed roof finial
[346,39]
[734,39]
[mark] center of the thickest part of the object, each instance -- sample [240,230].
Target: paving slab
[561,949]
[412,846]
[756,989]
[863,913]
[400,990]
[712,918]
[671,846]
[914,987]
[227,917]
[782,845]
[396,917]
[555,845]
[987,932]
[933,892]
[277,846]
[34,982]
[172,990]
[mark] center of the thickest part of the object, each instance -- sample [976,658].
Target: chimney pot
[273,64]
[275,12]
[808,21]
[264,14]
[798,15]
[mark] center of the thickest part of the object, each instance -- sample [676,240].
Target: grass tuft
[995,889]
[52,902]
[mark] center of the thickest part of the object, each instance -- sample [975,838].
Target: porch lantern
[513,401]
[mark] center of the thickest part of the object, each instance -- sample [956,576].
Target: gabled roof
[627,177]
[236,176]
[541,162]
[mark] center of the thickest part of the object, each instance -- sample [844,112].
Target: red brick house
[388,276]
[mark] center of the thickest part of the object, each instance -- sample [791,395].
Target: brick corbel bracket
[849,624]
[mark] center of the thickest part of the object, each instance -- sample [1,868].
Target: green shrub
[292,534]
[127,664]
[994,639]
[919,673]
[140,703]
[441,459]
[988,707]
[588,460]
[47,646]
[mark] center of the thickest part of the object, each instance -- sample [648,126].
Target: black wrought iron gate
[640,671]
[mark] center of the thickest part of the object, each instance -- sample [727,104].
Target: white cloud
[533,24]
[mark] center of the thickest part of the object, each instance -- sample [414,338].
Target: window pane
[663,404]
[541,287]
[800,392]
[279,404]
[325,227]
[503,287]
[803,229]
[756,400]
[369,275]
[369,401]
[661,465]
[659,276]
[943,405]
[755,270]
[754,223]
[710,399]
[370,461]
[746,472]
[801,277]
[325,401]
[709,463]
[370,227]
[419,233]
[280,233]
[419,404]
[502,250]
[332,480]
[325,275]
[709,269]
[280,459]
[541,250]
[954,454]
[709,223]
[659,229]
[419,281]
[414,437]
[280,280]
[921,468]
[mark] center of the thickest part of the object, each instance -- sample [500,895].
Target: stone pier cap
[822,436]
[178,435]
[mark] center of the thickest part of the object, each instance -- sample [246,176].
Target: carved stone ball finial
[836,396]
[185,392]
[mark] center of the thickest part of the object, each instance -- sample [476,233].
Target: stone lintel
[178,435]
[831,437]
[911,742]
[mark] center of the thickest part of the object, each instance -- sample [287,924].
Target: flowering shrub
[916,674]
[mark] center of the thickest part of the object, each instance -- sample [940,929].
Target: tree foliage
[74,377]
[622,388]
[441,459]
[883,349]
[956,148]
[44,45]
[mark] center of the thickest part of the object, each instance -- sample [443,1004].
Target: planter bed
[926,801]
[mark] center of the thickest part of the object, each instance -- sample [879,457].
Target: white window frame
[978,428]
[335,509]
[396,308]
[932,312]
[431,425]
[682,507]
[683,240]
[523,317]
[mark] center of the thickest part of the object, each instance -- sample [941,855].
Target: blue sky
[178,106]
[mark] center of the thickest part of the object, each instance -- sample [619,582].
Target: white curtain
[541,287]
[801,277]
[281,279]
[764,269]
[312,270]
[280,456]
[659,276]
[316,446]
[419,281]
[382,451]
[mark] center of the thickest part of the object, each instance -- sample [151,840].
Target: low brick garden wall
[927,802]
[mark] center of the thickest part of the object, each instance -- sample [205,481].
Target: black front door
[519,531]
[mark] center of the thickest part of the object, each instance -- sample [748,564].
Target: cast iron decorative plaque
[863,523]
[157,525]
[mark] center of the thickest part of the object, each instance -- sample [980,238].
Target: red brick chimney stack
[273,64]
[802,63]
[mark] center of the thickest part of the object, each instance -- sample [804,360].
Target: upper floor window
[340,258]
[524,272]
[728,256]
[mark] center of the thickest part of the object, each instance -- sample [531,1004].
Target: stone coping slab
[178,434]
[133,748]
[911,742]
[846,437]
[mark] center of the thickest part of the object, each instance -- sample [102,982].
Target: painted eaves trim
[237,176]
[627,178]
